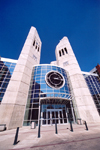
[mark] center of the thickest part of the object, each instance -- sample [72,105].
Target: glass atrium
[53,103]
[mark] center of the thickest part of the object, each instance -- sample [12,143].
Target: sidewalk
[79,139]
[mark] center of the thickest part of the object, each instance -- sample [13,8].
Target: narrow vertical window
[66,50]
[34,43]
[62,51]
[38,49]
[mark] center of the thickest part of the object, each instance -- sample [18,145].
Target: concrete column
[82,98]
[14,101]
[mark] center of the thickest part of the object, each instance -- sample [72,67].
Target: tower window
[62,51]
[34,43]
[38,49]
[66,50]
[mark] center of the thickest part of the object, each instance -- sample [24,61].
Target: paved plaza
[79,139]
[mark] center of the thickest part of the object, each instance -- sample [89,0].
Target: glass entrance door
[54,115]
[50,115]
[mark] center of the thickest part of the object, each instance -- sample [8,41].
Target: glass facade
[54,101]
[6,70]
[93,82]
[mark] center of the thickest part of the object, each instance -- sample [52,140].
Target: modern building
[6,69]
[96,70]
[47,93]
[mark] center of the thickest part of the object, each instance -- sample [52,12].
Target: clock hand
[58,79]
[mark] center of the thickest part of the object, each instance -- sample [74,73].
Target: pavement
[79,139]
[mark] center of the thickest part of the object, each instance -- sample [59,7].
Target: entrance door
[54,115]
[61,117]
[50,116]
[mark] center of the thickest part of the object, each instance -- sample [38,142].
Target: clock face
[55,79]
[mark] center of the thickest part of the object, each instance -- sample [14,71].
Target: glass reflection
[6,70]
[93,83]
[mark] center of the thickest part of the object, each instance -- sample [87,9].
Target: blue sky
[79,20]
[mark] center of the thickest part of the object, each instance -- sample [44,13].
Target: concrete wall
[82,100]
[13,104]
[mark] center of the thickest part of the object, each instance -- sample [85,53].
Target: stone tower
[13,104]
[82,101]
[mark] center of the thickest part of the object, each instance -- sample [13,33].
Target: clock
[54,79]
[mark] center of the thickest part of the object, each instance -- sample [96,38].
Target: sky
[79,20]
